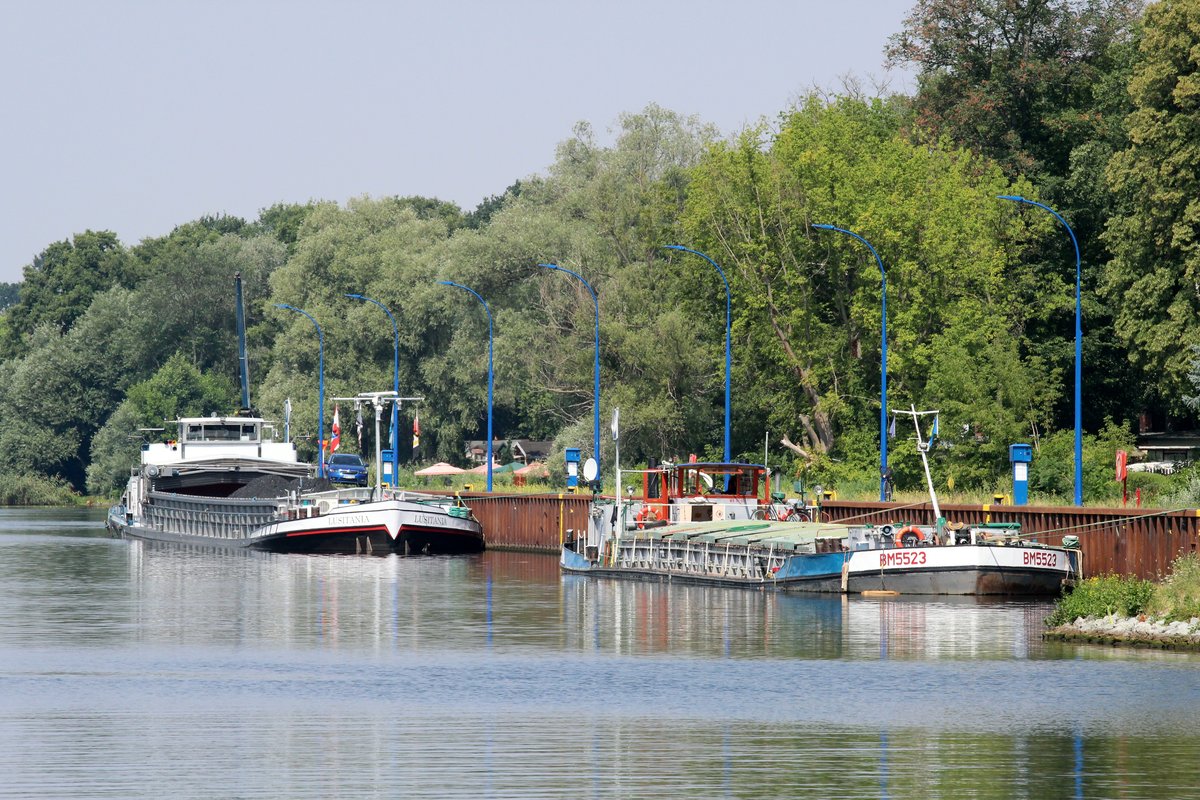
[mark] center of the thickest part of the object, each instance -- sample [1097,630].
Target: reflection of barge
[696,523]
[222,482]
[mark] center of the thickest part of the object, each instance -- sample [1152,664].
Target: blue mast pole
[394,435]
[490,375]
[883,407]
[728,319]
[1078,343]
[596,366]
[320,384]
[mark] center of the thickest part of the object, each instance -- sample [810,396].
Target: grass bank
[1175,599]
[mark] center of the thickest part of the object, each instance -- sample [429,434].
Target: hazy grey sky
[139,116]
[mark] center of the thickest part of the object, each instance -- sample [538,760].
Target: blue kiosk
[571,456]
[1020,455]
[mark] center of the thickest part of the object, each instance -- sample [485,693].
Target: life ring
[910,536]
[646,515]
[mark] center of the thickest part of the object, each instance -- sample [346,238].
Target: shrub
[1101,596]
[1178,597]
[35,490]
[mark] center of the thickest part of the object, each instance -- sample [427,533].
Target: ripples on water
[135,670]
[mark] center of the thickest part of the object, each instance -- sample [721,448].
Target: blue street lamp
[395,385]
[1078,346]
[490,374]
[596,368]
[728,358]
[883,406]
[320,384]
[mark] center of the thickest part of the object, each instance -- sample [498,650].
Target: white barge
[702,523]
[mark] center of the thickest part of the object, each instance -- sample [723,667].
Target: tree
[1039,86]
[1015,81]
[61,282]
[178,389]
[806,310]
[1155,239]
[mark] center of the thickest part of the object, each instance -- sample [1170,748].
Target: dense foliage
[1088,106]
[1101,596]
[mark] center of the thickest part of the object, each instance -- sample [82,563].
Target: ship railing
[707,559]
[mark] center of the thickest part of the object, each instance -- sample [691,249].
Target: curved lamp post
[596,368]
[490,374]
[728,358]
[395,385]
[1078,345]
[883,406]
[320,384]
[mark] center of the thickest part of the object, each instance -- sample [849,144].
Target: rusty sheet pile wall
[1141,542]
[528,522]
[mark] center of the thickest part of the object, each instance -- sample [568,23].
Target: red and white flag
[336,439]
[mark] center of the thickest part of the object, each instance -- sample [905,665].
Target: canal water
[130,670]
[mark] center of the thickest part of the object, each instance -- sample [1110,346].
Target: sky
[139,115]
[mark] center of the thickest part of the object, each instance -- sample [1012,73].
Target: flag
[336,439]
[416,435]
[616,424]
[892,428]
[287,420]
[358,424]
[933,433]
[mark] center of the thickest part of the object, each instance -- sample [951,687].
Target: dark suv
[347,468]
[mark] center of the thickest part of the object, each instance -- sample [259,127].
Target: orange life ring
[910,536]
[645,515]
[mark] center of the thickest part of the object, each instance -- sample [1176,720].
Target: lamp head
[823,226]
[1016,198]
[355,297]
[549,266]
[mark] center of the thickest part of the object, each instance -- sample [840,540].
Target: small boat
[703,523]
[225,481]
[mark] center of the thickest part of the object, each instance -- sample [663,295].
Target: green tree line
[1087,106]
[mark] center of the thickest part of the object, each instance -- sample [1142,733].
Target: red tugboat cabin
[700,492]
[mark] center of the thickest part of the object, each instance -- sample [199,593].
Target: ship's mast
[923,449]
[243,369]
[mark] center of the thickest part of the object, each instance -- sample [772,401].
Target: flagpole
[616,434]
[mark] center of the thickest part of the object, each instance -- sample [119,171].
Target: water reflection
[143,670]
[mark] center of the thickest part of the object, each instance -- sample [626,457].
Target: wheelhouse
[700,491]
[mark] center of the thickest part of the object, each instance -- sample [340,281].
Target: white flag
[616,424]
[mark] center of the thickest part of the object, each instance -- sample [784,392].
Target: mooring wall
[1140,542]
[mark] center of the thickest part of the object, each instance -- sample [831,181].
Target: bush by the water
[1101,596]
[28,490]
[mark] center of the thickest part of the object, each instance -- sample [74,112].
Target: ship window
[222,432]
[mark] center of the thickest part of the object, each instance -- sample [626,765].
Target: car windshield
[346,460]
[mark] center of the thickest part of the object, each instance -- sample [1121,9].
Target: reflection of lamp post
[596,368]
[883,448]
[320,384]
[394,435]
[1078,346]
[728,358]
[489,425]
